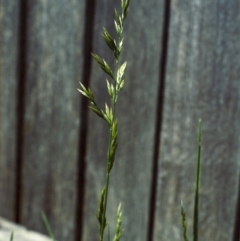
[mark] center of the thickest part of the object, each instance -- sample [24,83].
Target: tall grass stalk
[114,86]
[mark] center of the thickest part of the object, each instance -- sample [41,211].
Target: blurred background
[183,65]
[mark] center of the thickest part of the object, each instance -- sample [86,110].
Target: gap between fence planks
[8,101]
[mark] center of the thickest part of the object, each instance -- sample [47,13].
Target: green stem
[109,150]
[195,224]
[105,207]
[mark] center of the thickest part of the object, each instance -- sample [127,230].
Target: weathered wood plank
[202,81]
[9,18]
[20,233]
[130,182]
[51,127]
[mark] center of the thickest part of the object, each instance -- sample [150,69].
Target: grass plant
[114,86]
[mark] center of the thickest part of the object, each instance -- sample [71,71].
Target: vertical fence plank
[202,81]
[51,119]
[136,107]
[8,93]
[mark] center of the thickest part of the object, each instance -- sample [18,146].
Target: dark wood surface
[51,118]
[46,137]
[8,112]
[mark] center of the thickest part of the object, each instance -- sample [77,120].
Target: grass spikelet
[118,233]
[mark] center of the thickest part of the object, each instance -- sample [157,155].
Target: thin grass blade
[11,237]
[197,183]
[184,225]
[48,227]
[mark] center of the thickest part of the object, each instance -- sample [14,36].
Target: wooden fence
[183,64]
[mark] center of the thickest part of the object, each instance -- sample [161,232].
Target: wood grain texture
[51,119]
[9,18]
[131,175]
[202,81]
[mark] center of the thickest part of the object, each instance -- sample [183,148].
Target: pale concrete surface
[20,232]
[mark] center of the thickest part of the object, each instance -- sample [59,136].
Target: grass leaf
[48,227]
[11,237]
[184,225]
[197,183]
